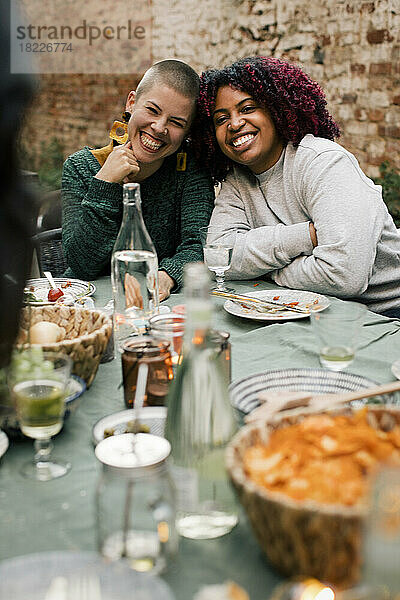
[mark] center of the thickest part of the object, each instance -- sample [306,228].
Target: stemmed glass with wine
[38,384]
[218,247]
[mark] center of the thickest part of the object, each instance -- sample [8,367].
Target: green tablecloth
[59,515]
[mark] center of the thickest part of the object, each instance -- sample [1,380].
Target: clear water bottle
[200,422]
[134,270]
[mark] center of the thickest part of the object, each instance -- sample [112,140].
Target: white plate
[304,299]
[41,287]
[3,443]
[152,416]
[30,577]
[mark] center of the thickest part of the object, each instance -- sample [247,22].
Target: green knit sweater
[175,204]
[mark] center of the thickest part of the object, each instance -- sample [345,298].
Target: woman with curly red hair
[308,215]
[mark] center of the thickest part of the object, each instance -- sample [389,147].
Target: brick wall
[352,47]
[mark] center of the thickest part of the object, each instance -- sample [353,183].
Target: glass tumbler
[337,330]
[156,354]
[135,502]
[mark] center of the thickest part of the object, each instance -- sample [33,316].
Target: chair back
[50,213]
[48,245]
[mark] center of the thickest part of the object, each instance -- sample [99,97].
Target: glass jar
[156,354]
[171,328]
[135,502]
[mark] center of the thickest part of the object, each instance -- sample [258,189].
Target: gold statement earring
[181,157]
[119,130]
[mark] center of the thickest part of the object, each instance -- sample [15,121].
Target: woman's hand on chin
[165,285]
[121,165]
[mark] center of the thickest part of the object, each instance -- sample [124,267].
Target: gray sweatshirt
[358,251]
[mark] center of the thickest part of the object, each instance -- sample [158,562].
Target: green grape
[30,363]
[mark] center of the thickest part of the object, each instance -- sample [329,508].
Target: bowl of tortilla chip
[304,482]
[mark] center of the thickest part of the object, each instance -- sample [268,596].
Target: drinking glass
[218,248]
[337,330]
[38,386]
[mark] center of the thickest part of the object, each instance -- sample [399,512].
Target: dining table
[59,515]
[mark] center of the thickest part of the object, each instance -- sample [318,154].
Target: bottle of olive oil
[200,421]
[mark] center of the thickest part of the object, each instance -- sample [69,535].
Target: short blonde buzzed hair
[173,73]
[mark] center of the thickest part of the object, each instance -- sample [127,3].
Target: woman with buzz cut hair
[149,146]
[309,218]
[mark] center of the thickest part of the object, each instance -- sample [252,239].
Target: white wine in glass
[39,397]
[40,405]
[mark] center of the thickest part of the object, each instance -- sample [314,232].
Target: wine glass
[218,248]
[38,382]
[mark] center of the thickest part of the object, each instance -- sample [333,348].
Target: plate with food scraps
[37,290]
[298,299]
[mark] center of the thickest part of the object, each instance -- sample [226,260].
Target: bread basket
[86,335]
[303,538]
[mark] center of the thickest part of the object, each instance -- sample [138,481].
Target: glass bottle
[135,502]
[200,422]
[134,270]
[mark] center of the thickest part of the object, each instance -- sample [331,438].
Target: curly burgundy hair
[295,102]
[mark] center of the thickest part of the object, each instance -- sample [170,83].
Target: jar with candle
[154,352]
[135,502]
[171,328]
[223,349]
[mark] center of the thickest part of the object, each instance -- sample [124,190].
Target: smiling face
[245,131]
[161,118]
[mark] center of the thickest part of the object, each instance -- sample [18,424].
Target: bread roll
[45,332]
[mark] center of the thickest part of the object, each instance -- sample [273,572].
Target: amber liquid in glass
[159,376]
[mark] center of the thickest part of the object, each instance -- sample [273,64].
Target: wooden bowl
[86,335]
[303,538]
